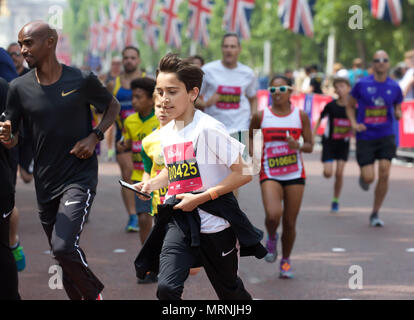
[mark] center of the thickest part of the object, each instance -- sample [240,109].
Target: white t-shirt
[205,151]
[408,76]
[235,86]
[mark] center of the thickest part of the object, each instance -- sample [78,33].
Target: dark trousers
[217,254]
[63,220]
[8,268]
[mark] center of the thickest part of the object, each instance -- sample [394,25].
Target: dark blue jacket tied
[226,206]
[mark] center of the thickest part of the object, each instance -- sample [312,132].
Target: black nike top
[6,180]
[58,116]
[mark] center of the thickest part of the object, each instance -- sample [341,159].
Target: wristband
[213,194]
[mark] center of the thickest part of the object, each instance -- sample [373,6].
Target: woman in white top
[282,174]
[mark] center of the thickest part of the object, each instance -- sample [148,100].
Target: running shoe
[150,277]
[364,186]
[285,269]
[376,222]
[334,207]
[19,257]
[271,247]
[132,225]
[99,297]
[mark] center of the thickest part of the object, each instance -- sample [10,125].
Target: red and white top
[279,162]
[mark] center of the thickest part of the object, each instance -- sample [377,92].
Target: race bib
[229,97]
[341,129]
[376,115]
[136,155]
[183,171]
[280,134]
[281,160]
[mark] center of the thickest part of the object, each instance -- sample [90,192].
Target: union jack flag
[132,13]
[297,15]
[200,15]
[390,10]
[237,17]
[116,26]
[150,26]
[94,28]
[105,30]
[171,24]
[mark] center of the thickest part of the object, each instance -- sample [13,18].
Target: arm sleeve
[13,108]
[325,111]
[146,161]
[97,94]
[400,98]
[355,91]
[252,87]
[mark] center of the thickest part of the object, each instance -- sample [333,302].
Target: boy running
[335,140]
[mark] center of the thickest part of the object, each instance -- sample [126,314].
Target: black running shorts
[370,150]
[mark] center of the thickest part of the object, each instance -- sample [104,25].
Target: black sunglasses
[15,53]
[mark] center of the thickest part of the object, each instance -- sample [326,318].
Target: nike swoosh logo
[225,254]
[67,203]
[5,215]
[68,93]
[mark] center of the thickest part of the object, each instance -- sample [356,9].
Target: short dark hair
[146,84]
[196,56]
[131,48]
[279,76]
[188,73]
[231,34]
[337,80]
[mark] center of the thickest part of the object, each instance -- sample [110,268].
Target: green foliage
[289,50]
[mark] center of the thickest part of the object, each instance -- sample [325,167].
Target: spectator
[357,72]
[407,81]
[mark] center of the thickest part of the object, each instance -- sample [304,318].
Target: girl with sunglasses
[282,173]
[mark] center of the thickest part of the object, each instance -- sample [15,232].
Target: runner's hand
[189,202]
[398,114]
[120,146]
[5,130]
[359,127]
[85,148]
[293,144]
[143,187]
[213,100]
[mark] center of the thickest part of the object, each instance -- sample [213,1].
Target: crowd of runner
[186,138]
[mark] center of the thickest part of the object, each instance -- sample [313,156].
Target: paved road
[320,273]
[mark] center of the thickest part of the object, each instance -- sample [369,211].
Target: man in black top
[55,100]
[335,141]
[8,268]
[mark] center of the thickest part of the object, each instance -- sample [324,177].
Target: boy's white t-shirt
[215,151]
[234,86]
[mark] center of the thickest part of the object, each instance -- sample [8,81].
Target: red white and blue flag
[132,13]
[104,36]
[297,15]
[237,17]
[390,10]
[116,26]
[94,31]
[150,25]
[170,22]
[200,15]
